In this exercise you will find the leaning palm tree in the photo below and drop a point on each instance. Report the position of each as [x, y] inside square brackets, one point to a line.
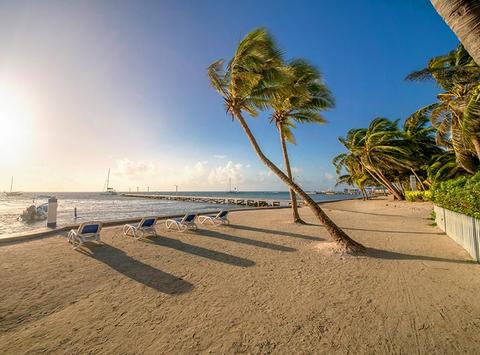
[300, 99]
[356, 174]
[246, 84]
[463, 17]
[420, 138]
[457, 112]
[381, 151]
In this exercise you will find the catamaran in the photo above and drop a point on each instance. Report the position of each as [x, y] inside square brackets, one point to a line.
[109, 191]
[11, 192]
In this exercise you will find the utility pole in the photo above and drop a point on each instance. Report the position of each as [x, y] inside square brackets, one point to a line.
[176, 188]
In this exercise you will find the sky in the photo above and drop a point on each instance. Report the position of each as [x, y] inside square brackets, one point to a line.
[90, 85]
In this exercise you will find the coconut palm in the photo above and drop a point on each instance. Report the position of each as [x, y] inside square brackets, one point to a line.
[457, 66]
[420, 138]
[442, 167]
[456, 114]
[302, 97]
[249, 80]
[356, 173]
[382, 152]
[463, 17]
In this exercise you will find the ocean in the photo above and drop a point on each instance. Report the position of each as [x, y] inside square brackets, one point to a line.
[94, 206]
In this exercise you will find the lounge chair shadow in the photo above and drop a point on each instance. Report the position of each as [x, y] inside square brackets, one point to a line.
[392, 255]
[214, 234]
[199, 251]
[145, 274]
[272, 231]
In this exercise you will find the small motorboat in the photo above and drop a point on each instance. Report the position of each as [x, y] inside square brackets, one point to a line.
[34, 212]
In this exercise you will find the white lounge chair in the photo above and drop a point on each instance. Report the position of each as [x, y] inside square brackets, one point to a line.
[218, 219]
[182, 224]
[146, 226]
[86, 232]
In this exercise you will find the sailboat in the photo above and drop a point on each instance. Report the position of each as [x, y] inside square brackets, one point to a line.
[235, 190]
[12, 193]
[109, 191]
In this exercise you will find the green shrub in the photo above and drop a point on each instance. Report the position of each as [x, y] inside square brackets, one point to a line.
[413, 196]
[461, 195]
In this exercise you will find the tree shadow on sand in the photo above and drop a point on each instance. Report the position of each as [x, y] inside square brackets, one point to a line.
[380, 230]
[392, 255]
[367, 213]
[277, 232]
[232, 238]
[390, 231]
[145, 274]
[199, 251]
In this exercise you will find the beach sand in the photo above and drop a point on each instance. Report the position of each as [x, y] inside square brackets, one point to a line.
[261, 285]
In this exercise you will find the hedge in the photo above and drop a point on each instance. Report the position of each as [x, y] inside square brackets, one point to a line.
[461, 195]
[413, 196]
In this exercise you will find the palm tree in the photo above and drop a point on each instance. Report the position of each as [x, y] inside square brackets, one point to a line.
[381, 150]
[299, 101]
[456, 114]
[420, 139]
[356, 174]
[463, 17]
[442, 167]
[246, 84]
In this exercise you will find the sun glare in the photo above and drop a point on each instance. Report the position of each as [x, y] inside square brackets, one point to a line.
[15, 124]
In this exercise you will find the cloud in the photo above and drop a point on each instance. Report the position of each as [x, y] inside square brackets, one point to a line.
[221, 174]
[329, 176]
[219, 156]
[134, 169]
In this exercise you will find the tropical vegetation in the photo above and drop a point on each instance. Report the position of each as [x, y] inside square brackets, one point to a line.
[300, 99]
[461, 195]
[251, 81]
[438, 142]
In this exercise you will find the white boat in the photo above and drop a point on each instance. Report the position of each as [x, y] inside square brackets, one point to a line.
[11, 192]
[109, 191]
[235, 190]
[34, 212]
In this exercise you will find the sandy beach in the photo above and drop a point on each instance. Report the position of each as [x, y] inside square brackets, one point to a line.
[261, 285]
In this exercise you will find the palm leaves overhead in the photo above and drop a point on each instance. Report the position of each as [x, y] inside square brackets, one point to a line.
[301, 97]
[251, 77]
[456, 114]
[455, 67]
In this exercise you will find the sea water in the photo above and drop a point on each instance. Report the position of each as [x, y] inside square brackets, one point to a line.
[94, 206]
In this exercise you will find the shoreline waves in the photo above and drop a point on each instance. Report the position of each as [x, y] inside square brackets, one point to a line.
[93, 206]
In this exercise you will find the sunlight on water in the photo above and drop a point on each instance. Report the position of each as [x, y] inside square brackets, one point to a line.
[93, 206]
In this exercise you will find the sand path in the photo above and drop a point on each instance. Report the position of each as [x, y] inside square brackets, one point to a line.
[262, 285]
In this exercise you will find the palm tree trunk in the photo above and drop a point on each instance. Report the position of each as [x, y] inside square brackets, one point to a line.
[420, 181]
[476, 144]
[364, 192]
[293, 196]
[383, 180]
[463, 17]
[364, 198]
[338, 235]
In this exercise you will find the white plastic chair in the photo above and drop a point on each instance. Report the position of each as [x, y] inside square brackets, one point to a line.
[86, 232]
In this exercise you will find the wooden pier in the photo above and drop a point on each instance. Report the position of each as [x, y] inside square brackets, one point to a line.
[251, 202]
